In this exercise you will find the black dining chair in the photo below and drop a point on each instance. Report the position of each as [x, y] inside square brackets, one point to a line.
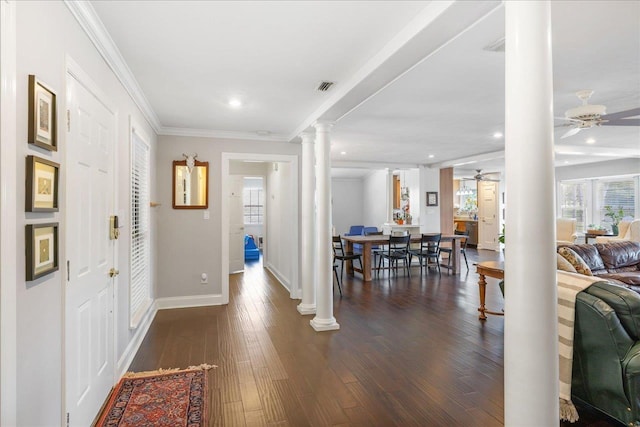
[429, 250]
[463, 248]
[339, 254]
[375, 250]
[397, 250]
[335, 272]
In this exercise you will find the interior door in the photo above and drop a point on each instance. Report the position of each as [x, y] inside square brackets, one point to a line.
[90, 254]
[236, 224]
[488, 218]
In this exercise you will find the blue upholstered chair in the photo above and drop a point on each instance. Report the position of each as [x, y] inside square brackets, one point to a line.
[355, 230]
[251, 251]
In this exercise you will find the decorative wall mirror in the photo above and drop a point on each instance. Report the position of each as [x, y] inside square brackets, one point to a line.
[190, 183]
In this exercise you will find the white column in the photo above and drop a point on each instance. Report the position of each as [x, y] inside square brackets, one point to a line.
[531, 323]
[308, 227]
[389, 196]
[324, 320]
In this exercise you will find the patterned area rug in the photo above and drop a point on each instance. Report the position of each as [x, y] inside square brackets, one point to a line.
[169, 397]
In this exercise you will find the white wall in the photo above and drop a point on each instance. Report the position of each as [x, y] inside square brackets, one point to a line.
[46, 34]
[429, 215]
[189, 245]
[346, 204]
[279, 257]
[374, 197]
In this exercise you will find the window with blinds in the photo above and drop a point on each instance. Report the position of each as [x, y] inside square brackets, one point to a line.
[140, 288]
[585, 199]
[253, 201]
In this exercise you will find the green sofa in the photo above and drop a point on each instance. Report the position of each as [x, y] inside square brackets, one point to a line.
[606, 360]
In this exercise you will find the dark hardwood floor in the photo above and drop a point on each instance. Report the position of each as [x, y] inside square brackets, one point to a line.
[410, 352]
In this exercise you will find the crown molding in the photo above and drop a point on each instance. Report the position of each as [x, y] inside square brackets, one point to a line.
[99, 36]
[224, 134]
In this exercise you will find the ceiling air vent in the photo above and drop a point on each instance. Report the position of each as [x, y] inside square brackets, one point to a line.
[324, 86]
[496, 46]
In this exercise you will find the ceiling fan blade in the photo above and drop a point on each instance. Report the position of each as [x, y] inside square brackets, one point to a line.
[621, 122]
[622, 114]
[568, 119]
[571, 132]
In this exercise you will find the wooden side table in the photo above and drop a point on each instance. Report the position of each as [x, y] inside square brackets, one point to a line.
[493, 269]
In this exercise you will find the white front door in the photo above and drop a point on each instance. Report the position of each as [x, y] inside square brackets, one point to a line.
[488, 215]
[236, 224]
[90, 254]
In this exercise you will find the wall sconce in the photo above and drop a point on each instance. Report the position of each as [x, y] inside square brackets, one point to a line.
[191, 161]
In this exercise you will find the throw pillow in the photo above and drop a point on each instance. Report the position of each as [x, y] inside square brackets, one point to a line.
[576, 261]
[564, 265]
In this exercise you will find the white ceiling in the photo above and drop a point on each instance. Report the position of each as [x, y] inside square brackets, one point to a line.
[412, 77]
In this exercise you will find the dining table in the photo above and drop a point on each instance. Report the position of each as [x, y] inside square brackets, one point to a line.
[368, 242]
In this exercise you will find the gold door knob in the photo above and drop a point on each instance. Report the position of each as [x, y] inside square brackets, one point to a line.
[113, 272]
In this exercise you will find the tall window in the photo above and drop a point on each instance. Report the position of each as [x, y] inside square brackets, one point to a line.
[253, 205]
[585, 199]
[573, 204]
[140, 288]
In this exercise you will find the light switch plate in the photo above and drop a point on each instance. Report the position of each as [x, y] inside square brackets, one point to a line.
[205, 214]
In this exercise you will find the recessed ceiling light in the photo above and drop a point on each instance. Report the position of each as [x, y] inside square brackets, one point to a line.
[431, 156]
[343, 152]
[566, 162]
[590, 141]
[497, 135]
[235, 103]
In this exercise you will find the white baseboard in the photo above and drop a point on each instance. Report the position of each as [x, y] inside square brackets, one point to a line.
[134, 344]
[281, 278]
[189, 301]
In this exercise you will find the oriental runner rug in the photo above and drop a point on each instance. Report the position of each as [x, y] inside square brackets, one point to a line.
[167, 397]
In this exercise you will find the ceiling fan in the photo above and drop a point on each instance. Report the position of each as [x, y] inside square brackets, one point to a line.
[479, 176]
[588, 115]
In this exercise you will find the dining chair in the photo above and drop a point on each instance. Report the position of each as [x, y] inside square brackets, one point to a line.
[335, 272]
[397, 250]
[339, 254]
[375, 250]
[463, 248]
[429, 249]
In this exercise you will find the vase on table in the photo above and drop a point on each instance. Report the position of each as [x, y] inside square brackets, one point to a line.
[614, 229]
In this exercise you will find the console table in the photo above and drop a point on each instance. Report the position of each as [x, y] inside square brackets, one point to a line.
[588, 236]
[493, 269]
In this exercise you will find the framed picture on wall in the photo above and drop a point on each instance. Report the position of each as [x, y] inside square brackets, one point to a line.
[432, 198]
[42, 185]
[42, 115]
[42, 249]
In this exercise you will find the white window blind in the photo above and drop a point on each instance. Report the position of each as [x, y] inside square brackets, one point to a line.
[585, 199]
[140, 288]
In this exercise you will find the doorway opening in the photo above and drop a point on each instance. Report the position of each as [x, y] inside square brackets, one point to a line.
[280, 240]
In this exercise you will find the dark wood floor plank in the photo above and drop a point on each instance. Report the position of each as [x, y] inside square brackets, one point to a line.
[410, 352]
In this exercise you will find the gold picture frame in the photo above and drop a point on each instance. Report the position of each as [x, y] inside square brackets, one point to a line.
[42, 185]
[42, 115]
[41, 250]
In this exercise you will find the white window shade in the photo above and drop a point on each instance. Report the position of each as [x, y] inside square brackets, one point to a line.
[140, 286]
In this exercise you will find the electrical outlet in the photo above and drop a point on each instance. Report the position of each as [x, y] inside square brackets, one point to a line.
[204, 279]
